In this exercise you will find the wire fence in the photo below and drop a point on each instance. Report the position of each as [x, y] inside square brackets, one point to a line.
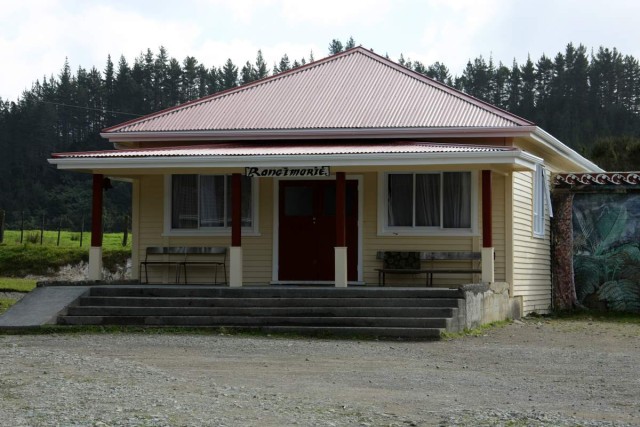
[43, 230]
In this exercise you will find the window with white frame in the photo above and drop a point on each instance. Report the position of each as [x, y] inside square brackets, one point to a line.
[428, 201]
[541, 197]
[203, 202]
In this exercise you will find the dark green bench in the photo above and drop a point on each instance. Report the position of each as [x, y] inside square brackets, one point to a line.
[181, 257]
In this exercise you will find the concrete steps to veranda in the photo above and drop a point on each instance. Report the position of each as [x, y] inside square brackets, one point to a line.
[382, 312]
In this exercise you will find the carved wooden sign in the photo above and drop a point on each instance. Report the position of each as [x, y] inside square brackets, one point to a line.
[306, 172]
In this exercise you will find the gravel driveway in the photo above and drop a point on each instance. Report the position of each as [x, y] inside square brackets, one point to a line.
[531, 373]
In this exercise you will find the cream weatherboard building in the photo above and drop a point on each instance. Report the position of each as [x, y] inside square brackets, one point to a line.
[308, 174]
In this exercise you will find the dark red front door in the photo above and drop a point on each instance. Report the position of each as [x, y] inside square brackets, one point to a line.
[307, 234]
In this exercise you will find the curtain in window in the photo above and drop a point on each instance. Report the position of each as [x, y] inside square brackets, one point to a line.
[400, 194]
[428, 200]
[456, 201]
[184, 207]
[212, 201]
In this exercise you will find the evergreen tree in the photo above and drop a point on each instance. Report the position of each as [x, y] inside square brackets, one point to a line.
[515, 88]
[543, 79]
[261, 70]
[283, 66]
[175, 92]
[439, 72]
[501, 87]
[528, 91]
[351, 43]
[247, 74]
[159, 80]
[335, 47]
[190, 79]
[228, 75]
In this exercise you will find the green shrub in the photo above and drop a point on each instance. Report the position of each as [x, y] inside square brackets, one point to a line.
[20, 260]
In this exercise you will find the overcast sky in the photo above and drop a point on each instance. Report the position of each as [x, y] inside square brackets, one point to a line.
[36, 36]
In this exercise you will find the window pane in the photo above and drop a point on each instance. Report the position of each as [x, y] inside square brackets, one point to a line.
[298, 201]
[245, 191]
[400, 194]
[456, 200]
[184, 203]
[211, 201]
[428, 200]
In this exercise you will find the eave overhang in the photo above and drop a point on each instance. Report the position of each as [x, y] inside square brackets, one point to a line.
[513, 160]
[549, 141]
[314, 134]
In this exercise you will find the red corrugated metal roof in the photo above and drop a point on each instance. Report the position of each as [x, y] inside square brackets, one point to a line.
[355, 89]
[246, 149]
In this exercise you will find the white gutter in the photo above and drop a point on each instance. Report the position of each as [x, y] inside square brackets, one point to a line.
[520, 158]
[305, 134]
[546, 139]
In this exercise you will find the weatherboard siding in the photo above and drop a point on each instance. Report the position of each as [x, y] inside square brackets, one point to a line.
[531, 255]
[257, 250]
[373, 242]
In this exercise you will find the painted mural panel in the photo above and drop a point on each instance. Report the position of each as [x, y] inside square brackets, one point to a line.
[606, 250]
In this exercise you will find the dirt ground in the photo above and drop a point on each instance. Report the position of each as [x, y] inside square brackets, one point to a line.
[532, 373]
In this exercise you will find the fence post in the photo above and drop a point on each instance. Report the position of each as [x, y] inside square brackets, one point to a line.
[1, 225]
[81, 230]
[59, 228]
[42, 230]
[21, 226]
[125, 235]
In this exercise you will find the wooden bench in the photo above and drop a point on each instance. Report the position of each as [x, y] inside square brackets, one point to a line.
[410, 262]
[162, 256]
[180, 257]
[215, 257]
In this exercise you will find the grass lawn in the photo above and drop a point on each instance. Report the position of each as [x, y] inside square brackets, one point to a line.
[5, 303]
[12, 284]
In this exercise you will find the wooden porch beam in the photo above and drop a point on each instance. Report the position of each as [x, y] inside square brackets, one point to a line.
[487, 214]
[341, 235]
[236, 210]
[96, 211]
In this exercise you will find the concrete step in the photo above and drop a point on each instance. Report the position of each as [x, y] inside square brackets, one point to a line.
[271, 292]
[385, 312]
[311, 321]
[257, 311]
[125, 301]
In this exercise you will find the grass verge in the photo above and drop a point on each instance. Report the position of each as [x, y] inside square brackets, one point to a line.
[597, 316]
[12, 284]
[475, 332]
[5, 303]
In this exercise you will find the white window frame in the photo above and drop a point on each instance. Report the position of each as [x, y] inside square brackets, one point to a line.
[541, 199]
[254, 230]
[385, 230]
